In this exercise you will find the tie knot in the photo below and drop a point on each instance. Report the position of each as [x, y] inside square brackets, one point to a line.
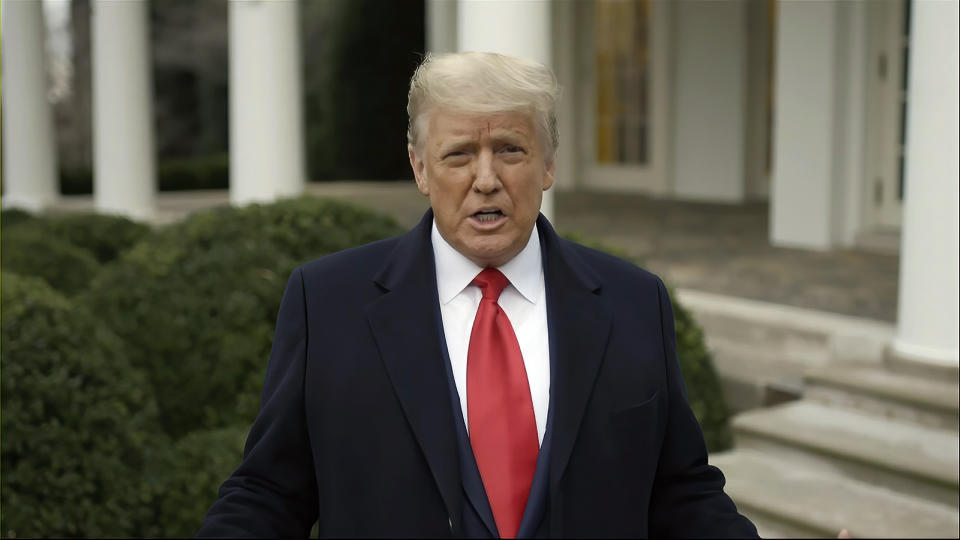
[492, 282]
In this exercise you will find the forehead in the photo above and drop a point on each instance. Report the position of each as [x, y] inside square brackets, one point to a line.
[445, 125]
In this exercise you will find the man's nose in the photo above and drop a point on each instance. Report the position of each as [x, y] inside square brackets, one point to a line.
[485, 179]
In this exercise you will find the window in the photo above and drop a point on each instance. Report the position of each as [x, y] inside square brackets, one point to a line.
[622, 56]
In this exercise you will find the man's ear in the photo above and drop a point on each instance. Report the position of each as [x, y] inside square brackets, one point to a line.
[551, 167]
[418, 167]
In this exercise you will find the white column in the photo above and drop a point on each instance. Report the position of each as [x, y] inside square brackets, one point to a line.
[266, 118]
[515, 27]
[850, 173]
[30, 157]
[441, 25]
[804, 144]
[819, 123]
[124, 162]
[928, 310]
[710, 100]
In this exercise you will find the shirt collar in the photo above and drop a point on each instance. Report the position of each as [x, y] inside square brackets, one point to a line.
[455, 271]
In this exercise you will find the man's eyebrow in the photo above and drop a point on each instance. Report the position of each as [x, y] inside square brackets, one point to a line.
[498, 135]
[512, 135]
[454, 142]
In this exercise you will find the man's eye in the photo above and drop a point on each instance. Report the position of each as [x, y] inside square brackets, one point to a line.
[512, 149]
[454, 154]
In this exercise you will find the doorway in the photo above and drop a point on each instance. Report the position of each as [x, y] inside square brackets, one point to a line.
[623, 94]
[888, 42]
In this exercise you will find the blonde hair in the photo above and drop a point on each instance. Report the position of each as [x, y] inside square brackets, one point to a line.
[481, 83]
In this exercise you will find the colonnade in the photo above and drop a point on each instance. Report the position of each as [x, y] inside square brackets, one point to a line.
[266, 124]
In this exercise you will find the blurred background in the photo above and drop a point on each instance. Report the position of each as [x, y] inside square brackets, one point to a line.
[789, 167]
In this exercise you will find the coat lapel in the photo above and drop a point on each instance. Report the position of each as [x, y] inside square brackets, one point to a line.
[579, 328]
[404, 325]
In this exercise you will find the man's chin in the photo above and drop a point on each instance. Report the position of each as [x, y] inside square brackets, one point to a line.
[488, 256]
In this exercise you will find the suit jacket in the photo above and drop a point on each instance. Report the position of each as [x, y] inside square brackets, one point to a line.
[361, 431]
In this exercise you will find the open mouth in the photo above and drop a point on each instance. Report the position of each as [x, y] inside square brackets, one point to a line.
[488, 216]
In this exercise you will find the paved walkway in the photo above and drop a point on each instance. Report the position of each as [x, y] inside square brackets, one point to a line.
[725, 249]
[717, 248]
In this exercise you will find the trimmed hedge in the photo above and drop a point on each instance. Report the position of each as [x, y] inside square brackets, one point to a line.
[104, 236]
[703, 384]
[197, 301]
[29, 251]
[13, 216]
[186, 476]
[178, 174]
[76, 420]
[65, 250]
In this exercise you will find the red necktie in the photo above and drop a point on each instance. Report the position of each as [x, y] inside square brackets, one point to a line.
[503, 429]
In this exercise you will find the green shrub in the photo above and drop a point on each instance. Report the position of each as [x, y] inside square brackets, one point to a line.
[350, 107]
[76, 181]
[703, 385]
[76, 419]
[185, 477]
[13, 216]
[31, 252]
[179, 174]
[201, 172]
[64, 250]
[104, 236]
[197, 301]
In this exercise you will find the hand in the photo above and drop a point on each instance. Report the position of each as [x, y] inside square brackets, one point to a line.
[844, 534]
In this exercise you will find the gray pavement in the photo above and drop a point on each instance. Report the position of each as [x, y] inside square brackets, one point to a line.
[725, 249]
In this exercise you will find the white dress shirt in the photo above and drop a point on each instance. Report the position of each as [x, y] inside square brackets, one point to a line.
[524, 302]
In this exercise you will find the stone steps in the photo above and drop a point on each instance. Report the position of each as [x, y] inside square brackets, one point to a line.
[747, 374]
[869, 442]
[921, 400]
[785, 499]
[903, 457]
[759, 346]
[788, 334]
[920, 368]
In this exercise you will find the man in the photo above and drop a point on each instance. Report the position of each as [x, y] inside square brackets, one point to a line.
[477, 376]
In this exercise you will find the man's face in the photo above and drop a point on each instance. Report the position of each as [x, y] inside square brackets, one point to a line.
[485, 176]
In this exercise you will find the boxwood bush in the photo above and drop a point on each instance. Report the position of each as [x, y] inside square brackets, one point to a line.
[211, 171]
[76, 420]
[65, 250]
[12, 216]
[104, 236]
[703, 384]
[186, 476]
[30, 252]
[197, 301]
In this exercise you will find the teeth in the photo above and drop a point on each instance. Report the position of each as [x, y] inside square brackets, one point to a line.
[488, 216]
